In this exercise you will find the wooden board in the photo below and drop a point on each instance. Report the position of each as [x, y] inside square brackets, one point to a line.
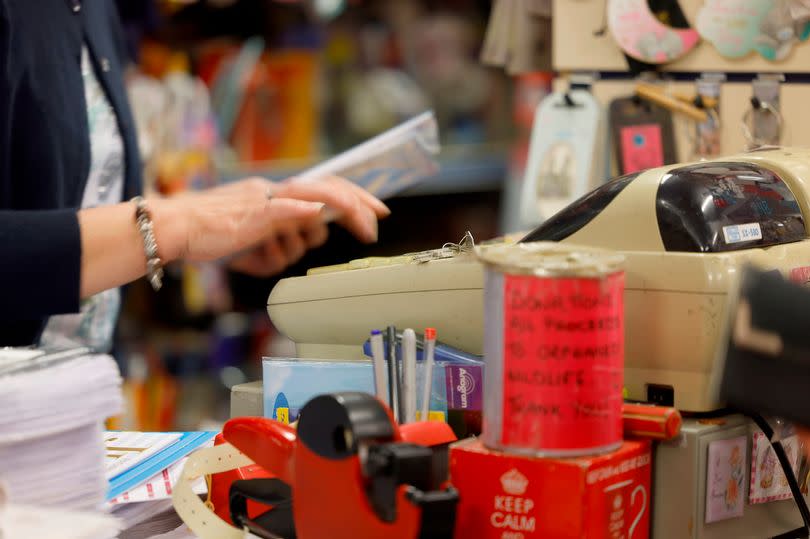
[576, 48]
[734, 100]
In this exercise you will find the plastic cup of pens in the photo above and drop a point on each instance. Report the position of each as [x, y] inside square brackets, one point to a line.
[430, 379]
[454, 393]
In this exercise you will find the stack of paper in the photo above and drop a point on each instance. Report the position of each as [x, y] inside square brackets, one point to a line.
[52, 406]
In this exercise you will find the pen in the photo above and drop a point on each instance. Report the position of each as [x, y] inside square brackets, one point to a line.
[653, 422]
[408, 376]
[430, 346]
[393, 376]
[378, 363]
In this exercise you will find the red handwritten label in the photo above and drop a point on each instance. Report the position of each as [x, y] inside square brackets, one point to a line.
[563, 359]
[641, 147]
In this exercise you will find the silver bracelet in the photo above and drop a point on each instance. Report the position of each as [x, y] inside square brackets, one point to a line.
[143, 217]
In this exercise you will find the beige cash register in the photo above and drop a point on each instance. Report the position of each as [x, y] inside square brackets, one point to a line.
[685, 231]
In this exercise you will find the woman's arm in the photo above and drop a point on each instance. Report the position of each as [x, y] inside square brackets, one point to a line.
[262, 235]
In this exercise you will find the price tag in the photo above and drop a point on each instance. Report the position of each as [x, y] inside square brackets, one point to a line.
[641, 147]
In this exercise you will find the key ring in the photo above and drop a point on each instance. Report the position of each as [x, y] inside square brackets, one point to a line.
[695, 140]
[757, 104]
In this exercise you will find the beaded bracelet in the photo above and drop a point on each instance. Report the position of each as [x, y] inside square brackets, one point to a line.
[143, 218]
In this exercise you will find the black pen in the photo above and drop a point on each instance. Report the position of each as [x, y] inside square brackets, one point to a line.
[393, 372]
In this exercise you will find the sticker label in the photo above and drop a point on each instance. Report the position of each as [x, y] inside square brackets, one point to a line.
[768, 481]
[464, 386]
[641, 147]
[563, 359]
[433, 415]
[724, 481]
[740, 233]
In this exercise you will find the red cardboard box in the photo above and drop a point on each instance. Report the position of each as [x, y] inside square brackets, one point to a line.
[506, 496]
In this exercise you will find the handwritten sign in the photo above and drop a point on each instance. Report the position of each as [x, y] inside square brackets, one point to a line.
[563, 359]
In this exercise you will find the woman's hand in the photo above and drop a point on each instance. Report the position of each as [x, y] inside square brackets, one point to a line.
[264, 227]
[257, 234]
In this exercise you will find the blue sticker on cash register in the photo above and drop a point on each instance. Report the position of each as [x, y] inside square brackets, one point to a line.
[744, 232]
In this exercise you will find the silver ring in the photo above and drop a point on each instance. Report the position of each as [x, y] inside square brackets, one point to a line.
[749, 136]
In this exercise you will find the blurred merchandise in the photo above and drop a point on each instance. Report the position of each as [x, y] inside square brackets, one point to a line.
[530, 90]
[279, 118]
[225, 90]
[518, 36]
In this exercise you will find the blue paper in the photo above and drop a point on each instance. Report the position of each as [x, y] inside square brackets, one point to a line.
[142, 472]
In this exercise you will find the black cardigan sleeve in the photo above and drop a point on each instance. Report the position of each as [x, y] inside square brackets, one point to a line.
[40, 263]
[40, 250]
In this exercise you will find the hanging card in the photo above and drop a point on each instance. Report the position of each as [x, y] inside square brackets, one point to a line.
[565, 157]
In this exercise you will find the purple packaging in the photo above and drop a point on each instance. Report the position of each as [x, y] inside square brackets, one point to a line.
[464, 384]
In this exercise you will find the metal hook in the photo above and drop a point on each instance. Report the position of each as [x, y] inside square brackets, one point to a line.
[448, 250]
[764, 106]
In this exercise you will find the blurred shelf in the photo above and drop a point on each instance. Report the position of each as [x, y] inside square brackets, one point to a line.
[462, 169]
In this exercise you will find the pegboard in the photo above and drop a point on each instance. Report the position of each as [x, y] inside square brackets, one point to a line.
[734, 101]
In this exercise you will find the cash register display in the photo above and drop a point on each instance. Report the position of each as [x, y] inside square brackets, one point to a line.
[715, 207]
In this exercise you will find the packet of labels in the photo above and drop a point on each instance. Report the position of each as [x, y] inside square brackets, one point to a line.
[389, 163]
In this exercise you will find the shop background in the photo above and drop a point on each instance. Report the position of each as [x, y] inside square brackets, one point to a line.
[226, 89]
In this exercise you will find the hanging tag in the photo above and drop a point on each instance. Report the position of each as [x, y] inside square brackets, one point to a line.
[564, 162]
[762, 123]
[642, 135]
[708, 133]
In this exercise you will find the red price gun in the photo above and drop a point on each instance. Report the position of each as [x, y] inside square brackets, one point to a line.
[347, 471]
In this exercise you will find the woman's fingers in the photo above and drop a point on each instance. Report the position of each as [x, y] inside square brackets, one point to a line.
[356, 209]
[265, 260]
[293, 245]
[377, 205]
[315, 234]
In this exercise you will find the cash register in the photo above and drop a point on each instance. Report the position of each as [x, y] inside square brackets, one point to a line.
[684, 229]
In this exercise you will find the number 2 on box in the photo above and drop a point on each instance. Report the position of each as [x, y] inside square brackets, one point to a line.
[638, 490]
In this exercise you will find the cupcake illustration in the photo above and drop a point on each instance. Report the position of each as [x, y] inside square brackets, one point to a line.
[767, 469]
[732, 493]
[735, 461]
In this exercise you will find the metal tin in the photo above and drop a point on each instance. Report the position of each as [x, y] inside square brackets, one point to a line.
[554, 349]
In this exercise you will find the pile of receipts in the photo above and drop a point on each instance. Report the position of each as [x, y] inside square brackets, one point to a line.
[55, 466]
[52, 410]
